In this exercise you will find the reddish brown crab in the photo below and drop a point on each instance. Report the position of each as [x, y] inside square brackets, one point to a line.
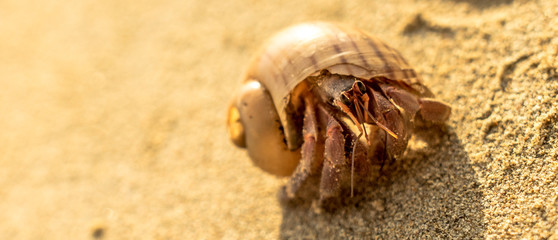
[312, 94]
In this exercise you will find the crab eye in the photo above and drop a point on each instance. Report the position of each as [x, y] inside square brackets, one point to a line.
[361, 86]
[345, 100]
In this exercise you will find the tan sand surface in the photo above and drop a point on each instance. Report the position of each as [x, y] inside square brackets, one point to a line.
[113, 121]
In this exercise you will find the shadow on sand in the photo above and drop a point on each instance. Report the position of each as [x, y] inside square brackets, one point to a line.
[484, 3]
[430, 192]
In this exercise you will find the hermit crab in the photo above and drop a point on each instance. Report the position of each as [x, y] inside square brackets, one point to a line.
[330, 101]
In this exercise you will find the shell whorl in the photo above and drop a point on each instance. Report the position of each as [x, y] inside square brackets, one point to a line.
[304, 50]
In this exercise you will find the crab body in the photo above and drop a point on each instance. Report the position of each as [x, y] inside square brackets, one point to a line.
[311, 94]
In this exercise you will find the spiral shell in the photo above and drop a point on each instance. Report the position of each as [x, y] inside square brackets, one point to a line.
[306, 49]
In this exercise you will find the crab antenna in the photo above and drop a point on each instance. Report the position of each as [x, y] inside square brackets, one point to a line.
[346, 110]
[360, 118]
[378, 123]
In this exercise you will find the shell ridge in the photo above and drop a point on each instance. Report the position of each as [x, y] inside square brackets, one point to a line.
[304, 50]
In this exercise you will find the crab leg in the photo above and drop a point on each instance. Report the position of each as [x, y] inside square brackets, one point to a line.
[397, 121]
[334, 165]
[310, 160]
[434, 110]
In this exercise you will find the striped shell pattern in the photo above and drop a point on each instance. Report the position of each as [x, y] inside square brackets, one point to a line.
[306, 49]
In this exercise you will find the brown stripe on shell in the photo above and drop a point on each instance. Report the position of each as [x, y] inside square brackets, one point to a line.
[390, 55]
[332, 37]
[340, 31]
[292, 67]
[364, 62]
[371, 43]
[313, 59]
[405, 74]
[401, 56]
[388, 49]
[355, 46]
[338, 50]
[342, 58]
[306, 49]
[399, 59]
[279, 73]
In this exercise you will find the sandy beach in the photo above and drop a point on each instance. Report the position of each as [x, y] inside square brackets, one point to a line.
[113, 118]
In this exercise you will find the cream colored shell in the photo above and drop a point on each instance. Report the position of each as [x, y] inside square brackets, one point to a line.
[305, 49]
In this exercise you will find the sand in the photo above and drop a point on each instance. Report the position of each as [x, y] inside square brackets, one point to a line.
[113, 122]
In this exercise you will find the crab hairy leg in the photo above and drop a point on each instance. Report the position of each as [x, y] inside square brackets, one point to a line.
[402, 99]
[377, 147]
[353, 162]
[311, 153]
[434, 110]
[394, 119]
[334, 165]
[360, 120]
